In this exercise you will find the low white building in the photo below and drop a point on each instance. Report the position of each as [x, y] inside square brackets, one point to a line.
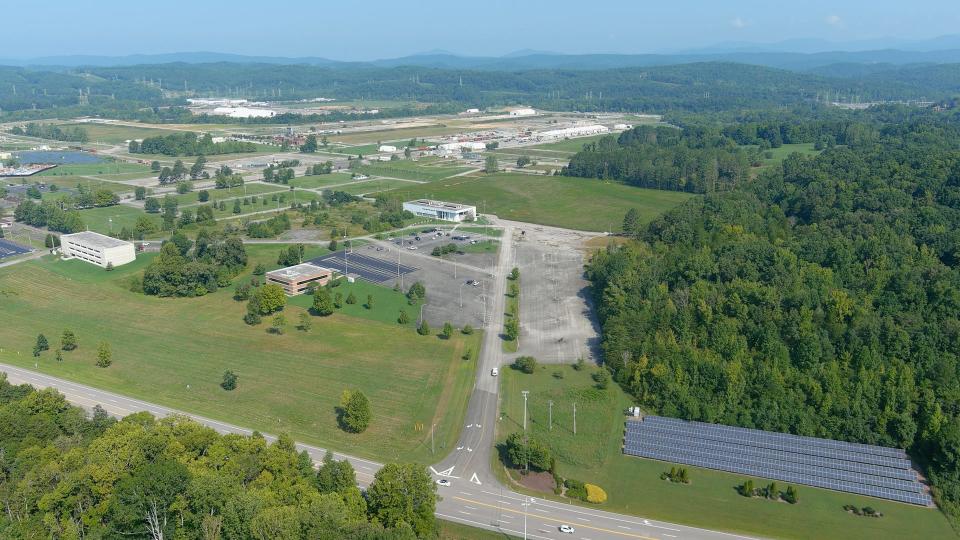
[523, 111]
[574, 131]
[243, 112]
[466, 146]
[623, 126]
[387, 148]
[445, 211]
[96, 248]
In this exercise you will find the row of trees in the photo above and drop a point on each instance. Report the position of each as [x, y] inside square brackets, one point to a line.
[187, 268]
[188, 144]
[51, 131]
[141, 477]
[49, 214]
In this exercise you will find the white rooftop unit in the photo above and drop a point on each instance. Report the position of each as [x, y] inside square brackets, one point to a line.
[387, 148]
[523, 111]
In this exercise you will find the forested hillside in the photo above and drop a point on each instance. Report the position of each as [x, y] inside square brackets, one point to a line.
[66, 476]
[822, 298]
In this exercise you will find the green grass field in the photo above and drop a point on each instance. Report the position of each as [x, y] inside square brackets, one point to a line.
[289, 382]
[72, 181]
[710, 500]
[455, 531]
[409, 170]
[375, 186]
[105, 167]
[111, 133]
[320, 181]
[575, 203]
[98, 219]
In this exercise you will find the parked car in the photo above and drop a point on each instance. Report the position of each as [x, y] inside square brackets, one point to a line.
[494, 372]
[443, 482]
[411, 248]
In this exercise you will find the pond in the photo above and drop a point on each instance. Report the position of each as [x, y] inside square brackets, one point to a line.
[60, 158]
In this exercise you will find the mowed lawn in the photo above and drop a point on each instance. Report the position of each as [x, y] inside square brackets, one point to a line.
[113, 218]
[114, 133]
[710, 501]
[175, 351]
[575, 203]
[408, 170]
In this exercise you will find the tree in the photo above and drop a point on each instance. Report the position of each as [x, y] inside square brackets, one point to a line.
[514, 274]
[424, 328]
[236, 206]
[447, 331]
[104, 355]
[416, 292]
[278, 324]
[338, 300]
[271, 298]
[59, 355]
[203, 195]
[403, 318]
[512, 329]
[523, 451]
[466, 330]
[310, 145]
[151, 205]
[145, 500]
[404, 493]
[746, 489]
[229, 380]
[178, 171]
[322, 304]
[523, 161]
[155, 166]
[791, 495]
[41, 345]
[631, 222]
[369, 301]
[259, 269]
[196, 171]
[139, 193]
[354, 411]
[335, 476]
[602, 378]
[332, 246]
[143, 227]
[526, 364]
[490, 165]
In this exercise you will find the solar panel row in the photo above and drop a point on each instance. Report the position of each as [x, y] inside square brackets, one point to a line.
[806, 460]
[855, 468]
[815, 442]
[671, 456]
[696, 431]
[776, 467]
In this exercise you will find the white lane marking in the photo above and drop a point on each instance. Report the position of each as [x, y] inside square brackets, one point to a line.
[475, 480]
[622, 527]
[462, 512]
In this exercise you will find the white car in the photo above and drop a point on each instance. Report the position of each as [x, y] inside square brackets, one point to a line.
[411, 248]
[494, 372]
[567, 529]
[443, 482]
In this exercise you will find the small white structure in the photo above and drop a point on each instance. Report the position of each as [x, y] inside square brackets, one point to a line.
[523, 111]
[471, 111]
[623, 126]
[444, 211]
[387, 148]
[96, 248]
[243, 112]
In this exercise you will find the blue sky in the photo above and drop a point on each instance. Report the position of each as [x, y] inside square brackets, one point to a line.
[368, 29]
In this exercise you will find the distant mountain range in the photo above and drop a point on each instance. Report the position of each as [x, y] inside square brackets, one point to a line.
[796, 55]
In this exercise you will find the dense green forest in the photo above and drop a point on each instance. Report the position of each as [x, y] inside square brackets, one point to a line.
[69, 476]
[145, 92]
[188, 144]
[821, 298]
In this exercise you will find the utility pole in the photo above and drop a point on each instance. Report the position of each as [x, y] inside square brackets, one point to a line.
[574, 418]
[433, 427]
[550, 413]
[525, 394]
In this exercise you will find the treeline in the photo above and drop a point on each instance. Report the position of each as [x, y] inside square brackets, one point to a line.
[65, 474]
[49, 214]
[666, 158]
[188, 144]
[820, 299]
[187, 268]
[49, 131]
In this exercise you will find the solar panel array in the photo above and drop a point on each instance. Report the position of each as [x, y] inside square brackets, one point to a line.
[863, 469]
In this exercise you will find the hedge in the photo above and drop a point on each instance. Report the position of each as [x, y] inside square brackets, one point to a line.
[595, 494]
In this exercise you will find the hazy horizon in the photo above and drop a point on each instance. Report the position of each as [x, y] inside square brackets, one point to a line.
[389, 30]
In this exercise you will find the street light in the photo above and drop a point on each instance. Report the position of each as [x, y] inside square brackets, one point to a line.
[525, 505]
[461, 296]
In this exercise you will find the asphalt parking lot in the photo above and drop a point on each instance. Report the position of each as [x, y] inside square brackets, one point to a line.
[9, 249]
[375, 270]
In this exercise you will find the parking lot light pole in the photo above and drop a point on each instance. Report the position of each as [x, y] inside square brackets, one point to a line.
[461, 296]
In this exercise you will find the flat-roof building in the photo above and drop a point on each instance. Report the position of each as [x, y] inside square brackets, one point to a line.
[96, 248]
[445, 211]
[296, 279]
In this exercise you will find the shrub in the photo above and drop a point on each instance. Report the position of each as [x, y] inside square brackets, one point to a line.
[791, 495]
[575, 489]
[467, 330]
[229, 380]
[526, 364]
[595, 494]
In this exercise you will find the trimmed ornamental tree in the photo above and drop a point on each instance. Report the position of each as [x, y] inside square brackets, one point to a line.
[322, 303]
[68, 341]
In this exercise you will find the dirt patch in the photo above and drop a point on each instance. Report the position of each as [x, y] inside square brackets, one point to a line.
[537, 481]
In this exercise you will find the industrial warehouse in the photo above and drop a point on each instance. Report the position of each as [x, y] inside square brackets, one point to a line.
[96, 248]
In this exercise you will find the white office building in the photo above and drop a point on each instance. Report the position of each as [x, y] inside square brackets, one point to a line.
[445, 211]
[97, 249]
